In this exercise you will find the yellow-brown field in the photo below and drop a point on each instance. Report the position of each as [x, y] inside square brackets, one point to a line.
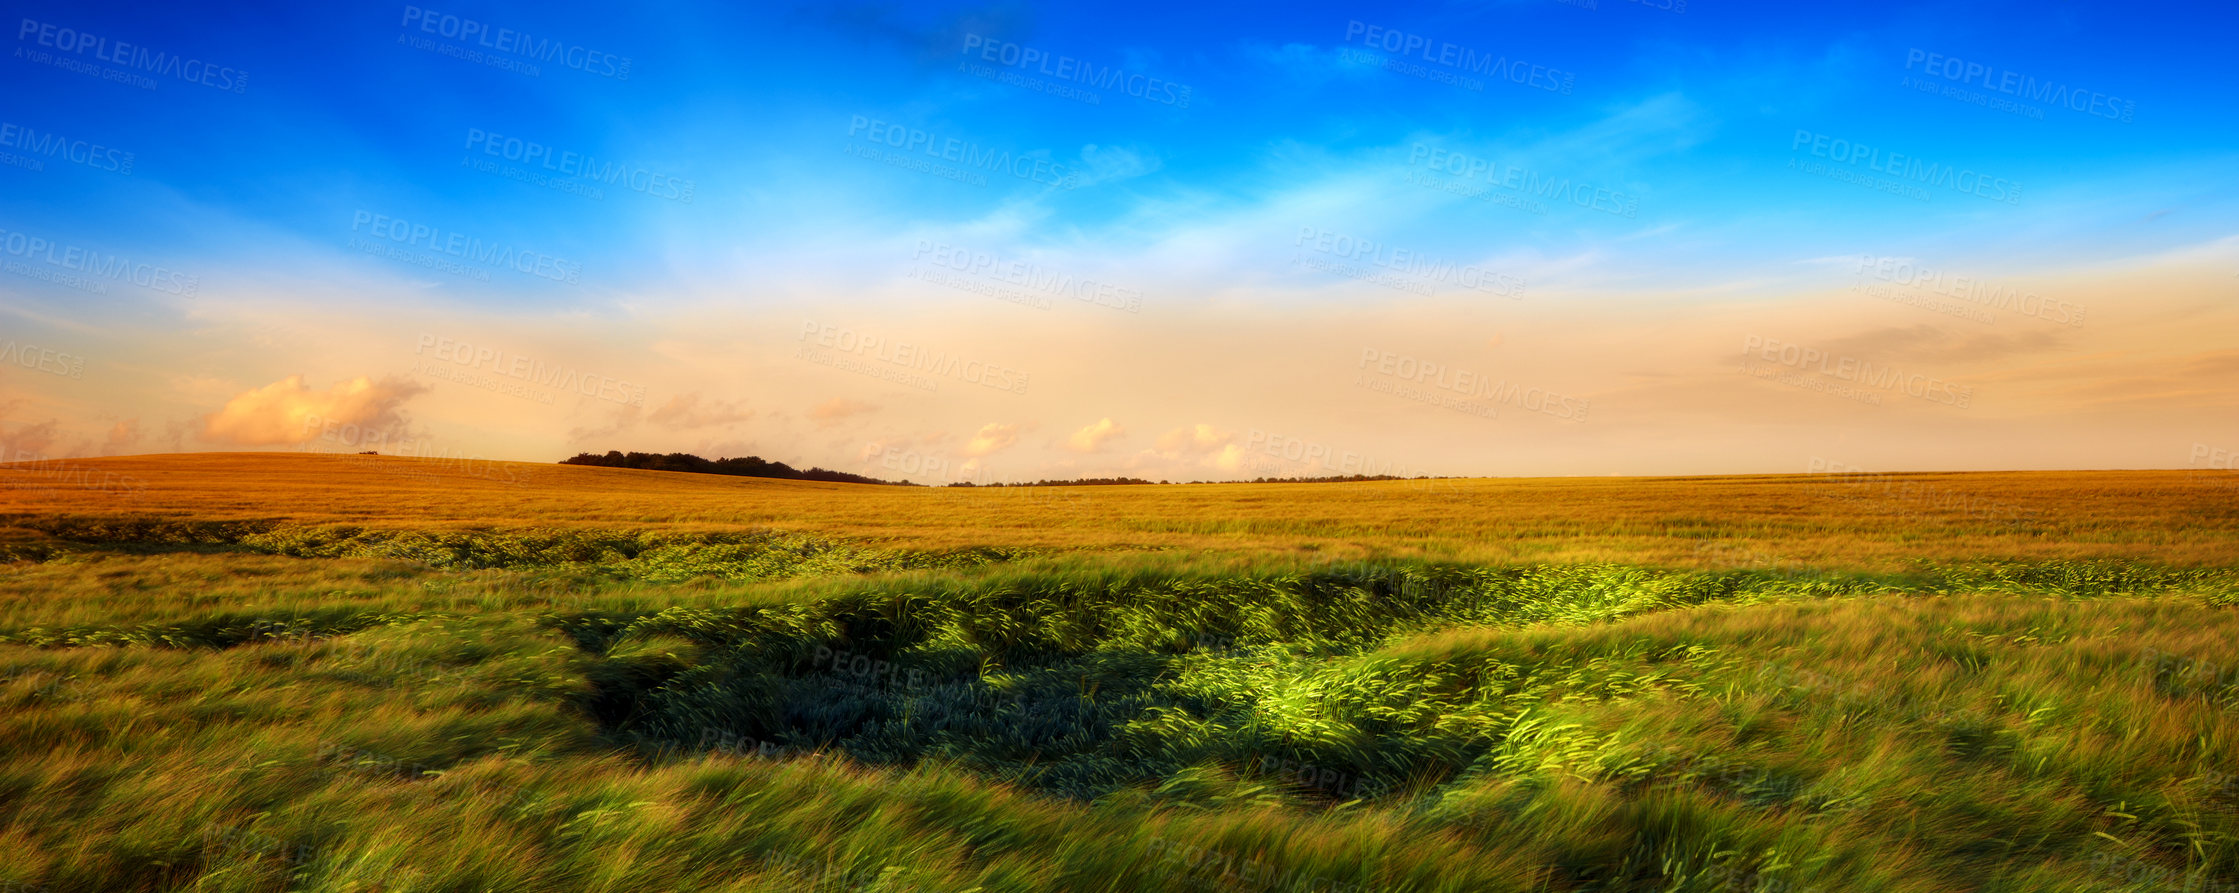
[1869, 522]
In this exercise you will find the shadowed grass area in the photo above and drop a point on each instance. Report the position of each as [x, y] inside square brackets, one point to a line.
[1084, 686]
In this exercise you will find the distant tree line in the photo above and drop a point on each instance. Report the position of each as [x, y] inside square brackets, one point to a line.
[745, 466]
[1343, 479]
[1082, 482]
[758, 467]
[1334, 479]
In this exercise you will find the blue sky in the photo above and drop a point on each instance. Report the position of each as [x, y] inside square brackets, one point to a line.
[1296, 131]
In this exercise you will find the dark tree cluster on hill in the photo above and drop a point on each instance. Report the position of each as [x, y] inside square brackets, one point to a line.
[745, 466]
[1082, 482]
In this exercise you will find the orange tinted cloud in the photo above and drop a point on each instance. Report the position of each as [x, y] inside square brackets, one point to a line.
[991, 437]
[289, 411]
[1200, 436]
[689, 411]
[830, 412]
[1092, 437]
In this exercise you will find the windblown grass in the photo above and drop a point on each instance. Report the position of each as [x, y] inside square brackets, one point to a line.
[276, 698]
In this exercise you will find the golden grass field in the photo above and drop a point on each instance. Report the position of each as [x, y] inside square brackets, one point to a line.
[266, 672]
[1878, 521]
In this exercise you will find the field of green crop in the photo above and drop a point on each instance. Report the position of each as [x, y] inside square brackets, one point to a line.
[322, 673]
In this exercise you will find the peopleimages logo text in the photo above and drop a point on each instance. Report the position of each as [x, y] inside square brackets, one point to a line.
[32, 356]
[518, 43]
[577, 164]
[52, 145]
[2013, 83]
[915, 357]
[1903, 271]
[1906, 167]
[484, 358]
[1474, 385]
[97, 264]
[1405, 262]
[1460, 58]
[1080, 71]
[971, 155]
[1858, 371]
[1525, 181]
[465, 247]
[117, 52]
